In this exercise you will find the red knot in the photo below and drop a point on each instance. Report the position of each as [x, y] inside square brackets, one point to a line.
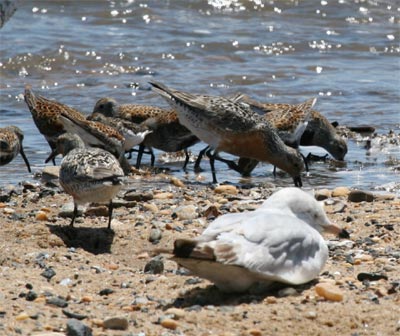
[89, 175]
[167, 135]
[232, 127]
[11, 138]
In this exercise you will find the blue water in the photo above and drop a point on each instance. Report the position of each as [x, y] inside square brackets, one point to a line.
[346, 53]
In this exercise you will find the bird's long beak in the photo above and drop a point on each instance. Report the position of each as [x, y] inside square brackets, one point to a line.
[336, 230]
[21, 151]
[52, 155]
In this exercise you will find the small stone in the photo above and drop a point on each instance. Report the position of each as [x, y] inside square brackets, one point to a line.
[177, 182]
[154, 266]
[329, 292]
[169, 323]
[385, 197]
[254, 332]
[311, 315]
[288, 291]
[271, 299]
[86, 299]
[360, 196]
[42, 216]
[8, 211]
[31, 296]
[106, 291]
[116, 323]
[186, 212]
[48, 273]
[67, 210]
[22, 316]
[226, 189]
[340, 191]
[164, 195]
[98, 211]
[322, 194]
[50, 173]
[138, 196]
[77, 328]
[371, 276]
[155, 235]
[72, 315]
[176, 313]
[57, 301]
[150, 207]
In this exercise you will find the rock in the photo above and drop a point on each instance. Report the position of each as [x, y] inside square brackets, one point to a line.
[138, 196]
[48, 273]
[177, 182]
[106, 291]
[22, 316]
[254, 332]
[311, 315]
[371, 276]
[169, 323]
[116, 323]
[288, 291]
[31, 296]
[340, 192]
[155, 235]
[176, 313]
[77, 328]
[186, 212]
[150, 207]
[97, 211]
[164, 195]
[154, 266]
[360, 196]
[226, 189]
[385, 197]
[57, 301]
[42, 216]
[50, 173]
[329, 292]
[67, 210]
[322, 194]
[72, 315]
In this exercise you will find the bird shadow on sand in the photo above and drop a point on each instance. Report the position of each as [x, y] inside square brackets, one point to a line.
[211, 295]
[93, 240]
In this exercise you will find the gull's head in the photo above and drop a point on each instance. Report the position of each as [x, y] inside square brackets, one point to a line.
[304, 206]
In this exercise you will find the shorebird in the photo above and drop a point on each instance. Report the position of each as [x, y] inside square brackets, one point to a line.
[278, 243]
[233, 128]
[99, 135]
[167, 135]
[318, 132]
[134, 134]
[290, 121]
[11, 138]
[89, 175]
[46, 115]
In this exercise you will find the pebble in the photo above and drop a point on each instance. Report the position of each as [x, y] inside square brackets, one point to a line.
[226, 189]
[77, 328]
[97, 211]
[150, 207]
[138, 196]
[31, 296]
[116, 323]
[288, 291]
[22, 316]
[340, 191]
[164, 195]
[177, 182]
[329, 292]
[311, 315]
[254, 332]
[106, 291]
[72, 315]
[57, 301]
[67, 210]
[8, 211]
[360, 196]
[42, 216]
[322, 194]
[186, 212]
[86, 298]
[371, 276]
[176, 313]
[169, 323]
[154, 266]
[270, 300]
[50, 173]
[155, 235]
[48, 273]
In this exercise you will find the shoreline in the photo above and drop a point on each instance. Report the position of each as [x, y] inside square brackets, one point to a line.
[52, 273]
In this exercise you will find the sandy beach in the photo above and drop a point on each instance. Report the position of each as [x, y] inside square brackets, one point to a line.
[58, 280]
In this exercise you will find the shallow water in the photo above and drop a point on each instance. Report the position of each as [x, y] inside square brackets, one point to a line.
[346, 53]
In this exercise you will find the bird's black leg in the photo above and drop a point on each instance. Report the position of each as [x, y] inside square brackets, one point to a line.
[187, 157]
[211, 156]
[74, 214]
[25, 159]
[139, 156]
[110, 210]
[305, 161]
[199, 157]
[153, 157]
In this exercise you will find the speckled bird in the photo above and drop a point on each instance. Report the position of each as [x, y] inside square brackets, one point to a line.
[11, 138]
[89, 175]
[167, 134]
[46, 115]
[233, 128]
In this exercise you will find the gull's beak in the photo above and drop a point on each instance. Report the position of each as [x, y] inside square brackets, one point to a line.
[336, 230]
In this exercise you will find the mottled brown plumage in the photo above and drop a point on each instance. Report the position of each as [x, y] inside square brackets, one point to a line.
[11, 138]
